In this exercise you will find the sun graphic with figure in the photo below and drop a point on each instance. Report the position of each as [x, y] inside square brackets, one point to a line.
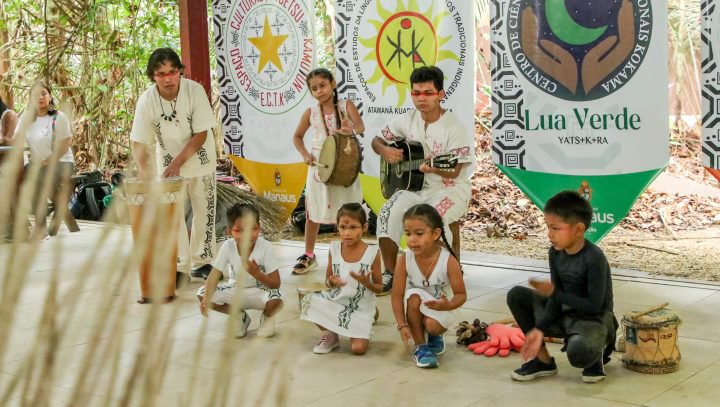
[406, 39]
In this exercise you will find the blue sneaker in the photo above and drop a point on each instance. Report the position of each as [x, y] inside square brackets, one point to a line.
[436, 344]
[424, 357]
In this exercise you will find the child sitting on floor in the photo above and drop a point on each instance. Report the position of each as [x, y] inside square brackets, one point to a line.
[347, 307]
[422, 275]
[258, 276]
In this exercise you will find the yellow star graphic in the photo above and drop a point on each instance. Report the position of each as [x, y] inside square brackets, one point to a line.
[268, 46]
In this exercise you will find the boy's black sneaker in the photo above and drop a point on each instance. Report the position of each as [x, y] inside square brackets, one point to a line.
[202, 271]
[594, 373]
[534, 369]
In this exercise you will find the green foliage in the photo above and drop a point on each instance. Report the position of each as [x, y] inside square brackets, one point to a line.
[94, 54]
[325, 42]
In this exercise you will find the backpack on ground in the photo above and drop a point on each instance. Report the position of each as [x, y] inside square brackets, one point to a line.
[86, 201]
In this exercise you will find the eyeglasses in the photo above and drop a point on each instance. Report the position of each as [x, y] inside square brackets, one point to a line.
[428, 93]
[166, 74]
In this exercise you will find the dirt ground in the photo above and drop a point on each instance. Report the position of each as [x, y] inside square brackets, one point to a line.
[686, 254]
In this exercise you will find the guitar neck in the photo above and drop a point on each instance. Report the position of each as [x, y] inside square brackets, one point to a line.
[412, 165]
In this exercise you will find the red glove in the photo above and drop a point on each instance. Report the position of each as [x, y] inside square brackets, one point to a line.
[503, 338]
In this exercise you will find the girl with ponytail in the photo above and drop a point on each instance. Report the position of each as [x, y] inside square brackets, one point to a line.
[422, 276]
[331, 115]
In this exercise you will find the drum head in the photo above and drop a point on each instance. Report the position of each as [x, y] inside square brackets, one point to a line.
[311, 287]
[661, 317]
[327, 159]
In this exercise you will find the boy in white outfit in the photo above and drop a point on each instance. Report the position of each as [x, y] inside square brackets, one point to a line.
[258, 277]
[440, 132]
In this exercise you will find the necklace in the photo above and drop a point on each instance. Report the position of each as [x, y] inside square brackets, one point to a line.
[426, 281]
[168, 117]
[324, 121]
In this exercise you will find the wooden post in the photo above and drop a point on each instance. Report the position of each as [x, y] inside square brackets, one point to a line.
[194, 46]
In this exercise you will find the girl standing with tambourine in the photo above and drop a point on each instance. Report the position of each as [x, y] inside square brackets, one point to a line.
[322, 200]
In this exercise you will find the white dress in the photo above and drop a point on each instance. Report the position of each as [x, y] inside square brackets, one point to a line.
[321, 200]
[348, 310]
[438, 281]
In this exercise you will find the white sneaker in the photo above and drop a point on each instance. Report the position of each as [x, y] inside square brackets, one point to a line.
[328, 342]
[243, 324]
[267, 326]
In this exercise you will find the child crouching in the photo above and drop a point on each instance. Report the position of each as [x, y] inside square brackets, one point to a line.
[258, 278]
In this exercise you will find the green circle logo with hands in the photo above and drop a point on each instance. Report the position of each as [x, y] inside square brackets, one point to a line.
[579, 50]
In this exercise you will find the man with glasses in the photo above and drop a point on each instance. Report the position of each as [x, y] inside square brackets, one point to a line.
[175, 115]
[440, 132]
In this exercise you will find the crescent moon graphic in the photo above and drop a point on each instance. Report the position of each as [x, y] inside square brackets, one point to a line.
[565, 28]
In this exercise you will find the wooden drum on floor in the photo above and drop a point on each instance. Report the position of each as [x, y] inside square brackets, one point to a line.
[651, 342]
[152, 206]
[306, 288]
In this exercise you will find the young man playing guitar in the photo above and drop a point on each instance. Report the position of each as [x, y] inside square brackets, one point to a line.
[440, 132]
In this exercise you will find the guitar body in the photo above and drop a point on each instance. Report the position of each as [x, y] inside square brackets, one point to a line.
[394, 177]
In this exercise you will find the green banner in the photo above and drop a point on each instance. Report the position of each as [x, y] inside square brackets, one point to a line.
[580, 100]
[605, 193]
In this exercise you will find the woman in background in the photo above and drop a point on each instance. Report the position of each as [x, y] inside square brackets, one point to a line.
[47, 132]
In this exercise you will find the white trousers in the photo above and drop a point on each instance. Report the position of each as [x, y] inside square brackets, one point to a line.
[451, 203]
[198, 249]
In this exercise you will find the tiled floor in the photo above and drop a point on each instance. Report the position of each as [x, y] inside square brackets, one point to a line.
[283, 369]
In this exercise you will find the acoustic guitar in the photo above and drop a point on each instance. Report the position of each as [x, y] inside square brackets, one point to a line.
[406, 174]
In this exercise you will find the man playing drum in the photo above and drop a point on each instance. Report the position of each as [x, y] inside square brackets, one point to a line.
[440, 132]
[175, 115]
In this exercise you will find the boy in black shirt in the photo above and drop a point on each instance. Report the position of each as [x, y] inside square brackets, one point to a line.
[576, 303]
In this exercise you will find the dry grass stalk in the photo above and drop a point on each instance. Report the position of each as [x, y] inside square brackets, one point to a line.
[272, 216]
[149, 366]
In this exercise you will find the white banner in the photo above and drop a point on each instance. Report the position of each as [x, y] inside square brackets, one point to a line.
[580, 88]
[265, 49]
[711, 83]
[380, 42]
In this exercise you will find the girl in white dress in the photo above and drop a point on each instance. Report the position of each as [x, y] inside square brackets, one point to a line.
[347, 306]
[322, 201]
[419, 294]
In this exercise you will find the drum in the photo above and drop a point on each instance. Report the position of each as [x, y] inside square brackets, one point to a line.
[304, 289]
[152, 207]
[339, 161]
[651, 341]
